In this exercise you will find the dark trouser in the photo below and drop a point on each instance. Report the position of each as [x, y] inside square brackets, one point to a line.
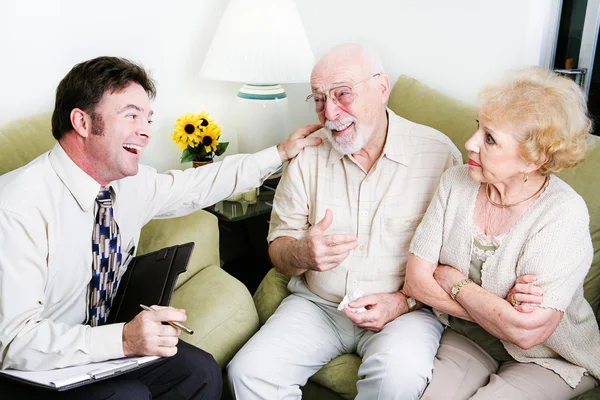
[190, 374]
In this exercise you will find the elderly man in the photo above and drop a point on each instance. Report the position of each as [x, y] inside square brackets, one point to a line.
[56, 283]
[342, 221]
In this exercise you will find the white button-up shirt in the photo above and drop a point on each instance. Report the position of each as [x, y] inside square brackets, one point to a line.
[46, 222]
[382, 208]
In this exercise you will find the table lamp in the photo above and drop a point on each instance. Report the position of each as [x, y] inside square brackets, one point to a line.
[261, 43]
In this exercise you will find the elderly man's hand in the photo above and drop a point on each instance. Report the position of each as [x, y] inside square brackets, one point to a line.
[298, 140]
[381, 309]
[323, 252]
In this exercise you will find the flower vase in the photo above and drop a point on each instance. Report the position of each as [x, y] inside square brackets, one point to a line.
[197, 164]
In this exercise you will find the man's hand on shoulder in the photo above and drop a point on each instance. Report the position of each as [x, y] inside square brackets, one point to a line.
[145, 335]
[324, 252]
[298, 140]
[382, 308]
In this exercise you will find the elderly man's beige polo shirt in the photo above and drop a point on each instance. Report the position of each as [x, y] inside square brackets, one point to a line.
[382, 207]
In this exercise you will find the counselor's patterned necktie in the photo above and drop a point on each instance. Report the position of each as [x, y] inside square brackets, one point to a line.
[106, 259]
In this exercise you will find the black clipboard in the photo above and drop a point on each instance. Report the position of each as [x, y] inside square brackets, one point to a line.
[150, 279]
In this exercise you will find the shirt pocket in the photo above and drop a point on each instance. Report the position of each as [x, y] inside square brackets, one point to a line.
[398, 232]
[400, 225]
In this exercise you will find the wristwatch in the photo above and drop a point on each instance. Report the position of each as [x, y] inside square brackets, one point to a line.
[456, 288]
[410, 302]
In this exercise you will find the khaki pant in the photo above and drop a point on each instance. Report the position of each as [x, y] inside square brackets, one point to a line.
[463, 370]
[306, 332]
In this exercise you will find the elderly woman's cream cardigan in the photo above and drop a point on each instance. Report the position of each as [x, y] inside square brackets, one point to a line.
[551, 240]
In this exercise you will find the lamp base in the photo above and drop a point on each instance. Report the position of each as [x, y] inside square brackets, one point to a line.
[261, 117]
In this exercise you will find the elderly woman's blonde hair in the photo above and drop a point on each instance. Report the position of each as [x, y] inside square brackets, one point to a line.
[546, 112]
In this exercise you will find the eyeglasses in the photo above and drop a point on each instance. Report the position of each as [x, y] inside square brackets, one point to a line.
[341, 95]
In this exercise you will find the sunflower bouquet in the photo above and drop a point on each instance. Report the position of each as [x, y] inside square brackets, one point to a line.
[198, 136]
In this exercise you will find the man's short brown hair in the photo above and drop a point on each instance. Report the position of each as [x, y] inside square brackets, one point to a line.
[84, 86]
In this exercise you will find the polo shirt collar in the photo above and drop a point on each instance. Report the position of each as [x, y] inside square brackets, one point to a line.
[82, 186]
[334, 156]
[398, 139]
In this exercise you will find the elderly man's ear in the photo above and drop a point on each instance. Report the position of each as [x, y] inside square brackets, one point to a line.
[384, 86]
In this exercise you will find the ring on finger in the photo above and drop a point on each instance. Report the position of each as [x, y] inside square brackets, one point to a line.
[513, 301]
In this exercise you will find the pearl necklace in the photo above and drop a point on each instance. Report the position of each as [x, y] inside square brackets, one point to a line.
[492, 202]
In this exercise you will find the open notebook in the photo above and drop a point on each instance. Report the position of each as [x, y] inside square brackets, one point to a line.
[70, 377]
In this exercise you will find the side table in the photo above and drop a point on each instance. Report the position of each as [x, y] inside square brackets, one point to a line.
[243, 229]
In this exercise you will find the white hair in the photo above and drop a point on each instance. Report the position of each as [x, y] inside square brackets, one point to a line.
[372, 57]
[363, 52]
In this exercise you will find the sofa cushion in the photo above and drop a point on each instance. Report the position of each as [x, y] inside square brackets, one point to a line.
[593, 394]
[340, 375]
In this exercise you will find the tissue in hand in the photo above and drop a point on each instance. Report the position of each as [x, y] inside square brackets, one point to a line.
[349, 298]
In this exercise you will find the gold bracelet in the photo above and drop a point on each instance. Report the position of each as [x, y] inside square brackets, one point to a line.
[456, 288]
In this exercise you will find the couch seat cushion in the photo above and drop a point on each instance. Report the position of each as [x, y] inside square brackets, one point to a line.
[223, 317]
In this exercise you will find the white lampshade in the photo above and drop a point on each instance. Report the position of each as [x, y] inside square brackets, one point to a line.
[259, 42]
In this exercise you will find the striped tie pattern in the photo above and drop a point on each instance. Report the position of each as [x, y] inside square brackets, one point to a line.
[106, 259]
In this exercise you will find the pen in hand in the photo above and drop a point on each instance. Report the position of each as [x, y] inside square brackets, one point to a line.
[174, 324]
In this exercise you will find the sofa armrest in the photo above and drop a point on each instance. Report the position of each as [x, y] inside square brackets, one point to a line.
[200, 227]
[219, 310]
[270, 293]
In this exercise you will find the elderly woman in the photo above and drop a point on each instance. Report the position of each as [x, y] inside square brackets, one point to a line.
[503, 250]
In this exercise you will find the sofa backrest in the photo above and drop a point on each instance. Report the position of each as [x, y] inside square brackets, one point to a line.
[23, 140]
[421, 104]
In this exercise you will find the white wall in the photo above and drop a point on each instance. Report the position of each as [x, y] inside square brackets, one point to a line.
[455, 46]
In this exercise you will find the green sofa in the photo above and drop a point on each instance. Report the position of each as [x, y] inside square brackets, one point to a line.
[219, 307]
[419, 103]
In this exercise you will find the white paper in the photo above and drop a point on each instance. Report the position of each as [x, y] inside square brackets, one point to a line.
[128, 255]
[67, 376]
[349, 298]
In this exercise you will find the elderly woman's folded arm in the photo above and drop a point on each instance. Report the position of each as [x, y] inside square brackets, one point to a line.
[474, 303]
[420, 284]
[497, 316]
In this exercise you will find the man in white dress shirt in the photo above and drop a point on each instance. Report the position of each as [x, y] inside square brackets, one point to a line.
[102, 122]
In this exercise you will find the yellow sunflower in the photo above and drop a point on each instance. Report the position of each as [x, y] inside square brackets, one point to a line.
[210, 137]
[186, 132]
[204, 121]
